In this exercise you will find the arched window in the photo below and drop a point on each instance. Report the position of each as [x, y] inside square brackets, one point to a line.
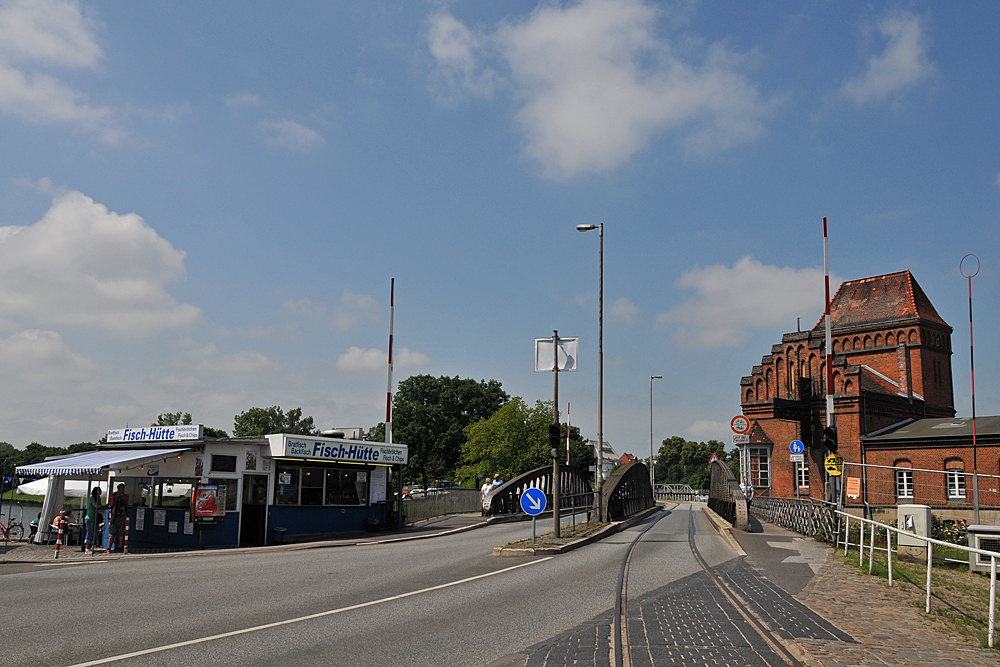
[913, 337]
[749, 396]
[904, 479]
[760, 389]
[768, 383]
[838, 385]
[848, 387]
[868, 342]
[890, 340]
[777, 377]
[857, 342]
[878, 340]
[836, 346]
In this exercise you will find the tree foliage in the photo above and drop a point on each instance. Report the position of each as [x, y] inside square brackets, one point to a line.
[514, 440]
[36, 453]
[184, 419]
[681, 461]
[262, 421]
[430, 415]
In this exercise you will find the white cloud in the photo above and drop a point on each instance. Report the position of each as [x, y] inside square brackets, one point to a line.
[84, 265]
[902, 64]
[625, 311]
[304, 307]
[705, 429]
[355, 308]
[372, 359]
[207, 358]
[42, 358]
[242, 101]
[289, 135]
[598, 83]
[49, 33]
[730, 301]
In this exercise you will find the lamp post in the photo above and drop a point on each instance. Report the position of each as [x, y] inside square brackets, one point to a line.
[652, 477]
[600, 371]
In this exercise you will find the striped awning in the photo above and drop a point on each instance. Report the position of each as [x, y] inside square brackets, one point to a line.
[92, 463]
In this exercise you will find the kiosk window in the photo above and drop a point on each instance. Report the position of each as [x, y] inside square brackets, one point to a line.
[231, 497]
[173, 492]
[312, 486]
[286, 491]
[221, 463]
[344, 488]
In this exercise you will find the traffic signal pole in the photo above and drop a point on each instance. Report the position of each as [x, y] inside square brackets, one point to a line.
[831, 481]
[555, 422]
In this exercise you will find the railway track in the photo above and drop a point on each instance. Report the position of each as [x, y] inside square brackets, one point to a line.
[621, 653]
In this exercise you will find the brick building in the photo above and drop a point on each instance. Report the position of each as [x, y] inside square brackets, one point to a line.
[891, 364]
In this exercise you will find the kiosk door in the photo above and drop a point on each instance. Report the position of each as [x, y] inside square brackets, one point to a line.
[253, 514]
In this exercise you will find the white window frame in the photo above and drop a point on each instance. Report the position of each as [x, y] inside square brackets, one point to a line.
[763, 480]
[956, 483]
[904, 483]
[802, 475]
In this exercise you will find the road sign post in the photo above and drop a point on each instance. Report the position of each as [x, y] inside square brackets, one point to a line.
[533, 504]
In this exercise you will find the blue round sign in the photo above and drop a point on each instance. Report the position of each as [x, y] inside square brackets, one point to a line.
[533, 501]
[797, 447]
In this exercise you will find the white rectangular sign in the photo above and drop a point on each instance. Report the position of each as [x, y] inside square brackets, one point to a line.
[741, 438]
[568, 350]
[156, 433]
[797, 458]
[336, 449]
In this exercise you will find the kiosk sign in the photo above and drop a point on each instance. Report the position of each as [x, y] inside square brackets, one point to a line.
[337, 449]
[156, 433]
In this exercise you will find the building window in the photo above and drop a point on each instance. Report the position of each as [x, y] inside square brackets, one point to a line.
[321, 486]
[760, 467]
[231, 497]
[904, 484]
[222, 463]
[956, 482]
[802, 475]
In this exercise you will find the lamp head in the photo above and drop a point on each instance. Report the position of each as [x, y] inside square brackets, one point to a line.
[585, 228]
[655, 377]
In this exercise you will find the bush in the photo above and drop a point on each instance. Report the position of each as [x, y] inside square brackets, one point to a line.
[946, 530]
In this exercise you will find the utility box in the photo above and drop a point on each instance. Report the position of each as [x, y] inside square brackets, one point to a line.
[916, 520]
[988, 539]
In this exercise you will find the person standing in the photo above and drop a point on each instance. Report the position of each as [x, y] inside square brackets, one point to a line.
[90, 520]
[118, 504]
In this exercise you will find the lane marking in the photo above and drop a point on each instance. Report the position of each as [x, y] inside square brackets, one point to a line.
[65, 563]
[234, 633]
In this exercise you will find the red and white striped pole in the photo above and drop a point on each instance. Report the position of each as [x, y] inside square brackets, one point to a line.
[829, 344]
[388, 392]
[125, 546]
[59, 537]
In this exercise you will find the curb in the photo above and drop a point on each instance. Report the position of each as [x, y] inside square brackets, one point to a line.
[610, 529]
[724, 530]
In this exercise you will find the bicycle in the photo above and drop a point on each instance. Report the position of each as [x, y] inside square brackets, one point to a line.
[14, 530]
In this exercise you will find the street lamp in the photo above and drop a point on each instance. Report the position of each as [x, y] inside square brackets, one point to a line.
[652, 477]
[600, 372]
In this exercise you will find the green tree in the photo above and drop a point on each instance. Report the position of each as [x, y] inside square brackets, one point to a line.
[262, 421]
[376, 433]
[514, 440]
[184, 419]
[681, 461]
[430, 416]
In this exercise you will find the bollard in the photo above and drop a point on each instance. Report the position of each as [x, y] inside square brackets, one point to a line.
[59, 537]
[861, 544]
[847, 532]
[993, 598]
[888, 552]
[125, 546]
[930, 562]
[871, 551]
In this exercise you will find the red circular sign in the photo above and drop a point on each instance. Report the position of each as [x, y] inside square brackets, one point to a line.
[740, 424]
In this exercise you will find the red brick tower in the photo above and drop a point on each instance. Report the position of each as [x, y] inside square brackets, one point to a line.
[892, 360]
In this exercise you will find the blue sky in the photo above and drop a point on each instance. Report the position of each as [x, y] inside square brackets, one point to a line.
[203, 204]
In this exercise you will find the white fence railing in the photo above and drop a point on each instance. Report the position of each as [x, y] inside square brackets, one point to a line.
[875, 526]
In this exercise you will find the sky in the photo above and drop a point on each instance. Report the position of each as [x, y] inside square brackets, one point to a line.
[202, 204]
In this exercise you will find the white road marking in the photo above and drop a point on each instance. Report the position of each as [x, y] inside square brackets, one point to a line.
[70, 562]
[234, 633]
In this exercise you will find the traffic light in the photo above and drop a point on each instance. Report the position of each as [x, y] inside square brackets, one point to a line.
[555, 437]
[830, 438]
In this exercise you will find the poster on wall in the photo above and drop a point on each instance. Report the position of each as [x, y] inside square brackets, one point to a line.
[206, 501]
[159, 517]
[377, 487]
[199, 466]
[266, 463]
[251, 460]
[172, 527]
[188, 526]
[140, 518]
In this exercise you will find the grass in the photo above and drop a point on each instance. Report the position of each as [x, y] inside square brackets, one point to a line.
[959, 598]
[12, 496]
[566, 534]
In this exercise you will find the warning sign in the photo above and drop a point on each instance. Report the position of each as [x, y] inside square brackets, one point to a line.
[834, 464]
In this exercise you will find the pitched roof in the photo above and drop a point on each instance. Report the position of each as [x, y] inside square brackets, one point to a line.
[879, 300]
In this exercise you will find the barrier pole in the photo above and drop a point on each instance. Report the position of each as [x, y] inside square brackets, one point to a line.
[125, 546]
[930, 562]
[888, 552]
[861, 544]
[993, 598]
[59, 537]
[847, 533]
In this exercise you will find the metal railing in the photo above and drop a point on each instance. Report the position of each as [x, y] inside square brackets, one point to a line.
[809, 516]
[628, 491]
[506, 499]
[450, 501]
[726, 498]
[875, 527]
[679, 492]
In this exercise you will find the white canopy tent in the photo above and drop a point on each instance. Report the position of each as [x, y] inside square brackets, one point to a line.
[72, 488]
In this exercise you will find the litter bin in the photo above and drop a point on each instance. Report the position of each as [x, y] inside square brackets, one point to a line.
[372, 525]
[278, 535]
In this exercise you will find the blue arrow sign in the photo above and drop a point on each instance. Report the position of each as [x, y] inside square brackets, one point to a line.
[797, 447]
[533, 501]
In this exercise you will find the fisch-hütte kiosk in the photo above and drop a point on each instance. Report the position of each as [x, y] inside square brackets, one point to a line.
[186, 490]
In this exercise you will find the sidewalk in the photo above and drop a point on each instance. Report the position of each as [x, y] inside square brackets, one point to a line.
[888, 628]
[22, 552]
